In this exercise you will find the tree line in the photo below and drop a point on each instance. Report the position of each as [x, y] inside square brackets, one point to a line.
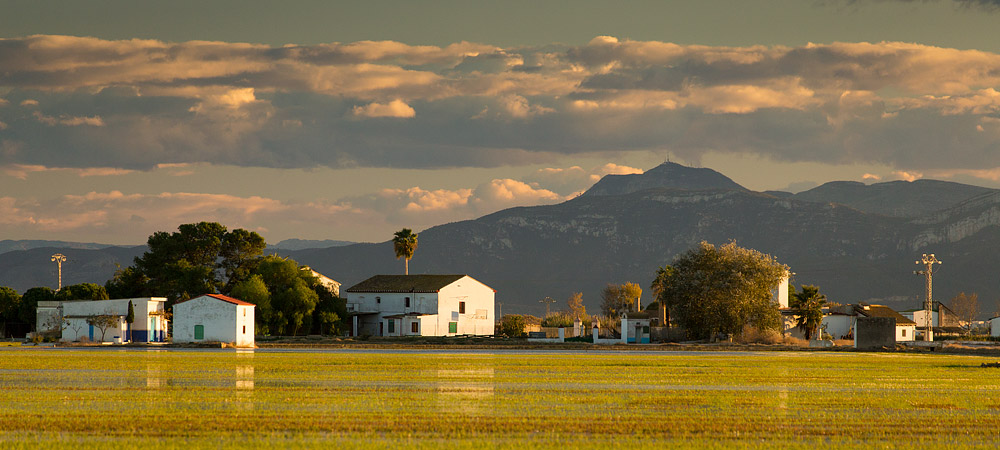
[206, 258]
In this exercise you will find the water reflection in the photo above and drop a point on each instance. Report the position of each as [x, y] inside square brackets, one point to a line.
[467, 390]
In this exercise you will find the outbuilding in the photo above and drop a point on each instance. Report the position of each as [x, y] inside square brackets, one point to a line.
[104, 320]
[214, 318]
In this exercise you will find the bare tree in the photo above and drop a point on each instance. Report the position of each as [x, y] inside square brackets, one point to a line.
[966, 307]
[104, 321]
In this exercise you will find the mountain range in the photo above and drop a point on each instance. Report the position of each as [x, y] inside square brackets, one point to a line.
[857, 242]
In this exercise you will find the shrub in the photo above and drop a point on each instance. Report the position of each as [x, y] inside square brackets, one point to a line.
[754, 335]
[512, 325]
[559, 319]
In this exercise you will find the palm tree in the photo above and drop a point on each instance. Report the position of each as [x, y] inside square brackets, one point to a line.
[809, 304]
[404, 242]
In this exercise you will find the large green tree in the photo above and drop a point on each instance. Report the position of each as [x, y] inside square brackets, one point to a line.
[198, 258]
[722, 289]
[29, 303]
[10, 303]
[82, 291]
[292, 296]
[404, 243]
[808, 305]
[253, 290]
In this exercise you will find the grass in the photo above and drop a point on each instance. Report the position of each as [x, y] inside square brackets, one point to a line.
[505, 399]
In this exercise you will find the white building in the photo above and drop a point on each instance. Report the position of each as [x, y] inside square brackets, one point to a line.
[214, 318]
[329, 283]
[150, 324]
[994, 326]
[421, 305]
[839, 321]
[780, 292]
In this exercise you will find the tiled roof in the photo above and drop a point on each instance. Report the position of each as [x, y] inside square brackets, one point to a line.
[223, 298]
[405, 283]
[885, 311]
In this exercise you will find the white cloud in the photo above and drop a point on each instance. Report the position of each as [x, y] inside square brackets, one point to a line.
[395, 108]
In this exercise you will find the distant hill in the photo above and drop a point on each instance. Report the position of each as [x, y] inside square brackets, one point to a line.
[7, 245]
[580, 245]
[25, 269]
[301, 244]
[894, 198]
[666, 175]
[835, 237]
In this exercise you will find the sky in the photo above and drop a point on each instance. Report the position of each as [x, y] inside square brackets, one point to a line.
[351, 120]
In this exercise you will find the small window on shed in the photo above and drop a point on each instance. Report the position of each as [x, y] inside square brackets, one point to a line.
[461, 307]
[199, 332]
[453, 327]
[415, 327]
[904, 332]
[406, 302]
[244, 329]
[378, 299]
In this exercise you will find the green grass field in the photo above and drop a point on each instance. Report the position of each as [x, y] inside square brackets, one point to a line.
[505, 399]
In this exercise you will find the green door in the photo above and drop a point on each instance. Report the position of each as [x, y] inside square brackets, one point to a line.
[199, 332]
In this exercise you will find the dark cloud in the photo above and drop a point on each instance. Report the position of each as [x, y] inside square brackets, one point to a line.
[136, 104]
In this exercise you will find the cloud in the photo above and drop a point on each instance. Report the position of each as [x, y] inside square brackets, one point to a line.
[22, 171]
[395, 108]
[139, 103]
[69, 121]
[907, 176]
[572, 180]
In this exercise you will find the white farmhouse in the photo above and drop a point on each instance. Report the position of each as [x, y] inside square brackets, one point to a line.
[214, 318]
[421, 305]
[149, 325]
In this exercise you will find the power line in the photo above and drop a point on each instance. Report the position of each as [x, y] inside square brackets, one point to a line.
[928, 261]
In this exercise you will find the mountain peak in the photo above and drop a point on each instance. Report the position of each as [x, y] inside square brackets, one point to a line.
[666, 175]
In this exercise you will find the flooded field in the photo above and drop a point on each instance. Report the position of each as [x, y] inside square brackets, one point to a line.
[518, 399]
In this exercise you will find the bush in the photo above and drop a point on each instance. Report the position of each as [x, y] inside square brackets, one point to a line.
[754, 335]
[559, 319]
[512, 325]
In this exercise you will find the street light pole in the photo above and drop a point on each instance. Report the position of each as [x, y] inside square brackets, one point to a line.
[548, 301]
[59, 258]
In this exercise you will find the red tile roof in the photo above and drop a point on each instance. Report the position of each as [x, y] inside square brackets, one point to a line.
[229, 299]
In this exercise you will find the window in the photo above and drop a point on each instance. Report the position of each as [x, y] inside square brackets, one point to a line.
[199, 332]
[392, 326]
[244, 329]
[406, 302]
[453, 327]
[378, 299]
[244, 312]
[904, 332]
[415, 327]
[461, 307]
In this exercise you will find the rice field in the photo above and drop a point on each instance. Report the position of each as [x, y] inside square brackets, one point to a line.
[501, 399]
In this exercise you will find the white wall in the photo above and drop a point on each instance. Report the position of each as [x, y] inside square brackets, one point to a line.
[148, 311]
[479, 317]
[222, 321]
[906, 332]
[436, 310]
[995, 326]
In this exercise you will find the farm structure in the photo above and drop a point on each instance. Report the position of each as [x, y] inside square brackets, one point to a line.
[214, 318]
[421, 305]
[839, 321]
[76, 319]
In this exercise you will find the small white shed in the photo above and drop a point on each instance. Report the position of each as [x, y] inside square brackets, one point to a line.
[214, 318]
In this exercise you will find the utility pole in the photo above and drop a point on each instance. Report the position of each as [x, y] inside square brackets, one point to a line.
[548, 301]
[928, 262]
[59, 258]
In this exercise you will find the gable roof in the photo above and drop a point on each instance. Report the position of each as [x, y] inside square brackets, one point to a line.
[405, 283]
[885, 311]
[223, 298]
